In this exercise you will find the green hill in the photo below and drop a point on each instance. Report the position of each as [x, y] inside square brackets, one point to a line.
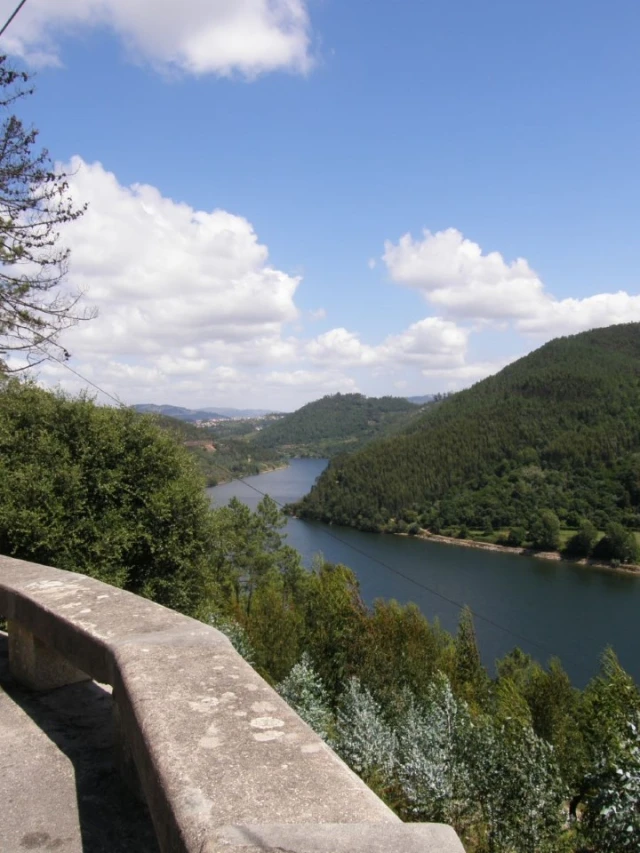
[558, 429]
[219, 458]
[335, 424]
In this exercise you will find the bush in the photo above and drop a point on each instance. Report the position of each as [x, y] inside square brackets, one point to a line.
[105, 492]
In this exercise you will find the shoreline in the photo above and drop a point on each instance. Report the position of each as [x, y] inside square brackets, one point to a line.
[268, 470]
[553, 556]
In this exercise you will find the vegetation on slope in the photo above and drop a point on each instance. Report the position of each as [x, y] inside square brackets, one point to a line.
[220, 457]
[336, 423]
[557, 431]
[106, 492]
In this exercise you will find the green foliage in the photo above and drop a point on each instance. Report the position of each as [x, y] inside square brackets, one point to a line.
[617, 544]
[335, 424]
[219, 458]
[556, 431]
[611, 820]
[545, 531]
[363, 738]
[102, 491]
[582, 543]
[304, 691]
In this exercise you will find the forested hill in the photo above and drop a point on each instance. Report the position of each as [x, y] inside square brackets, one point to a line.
[558, 429]
[219, 458]
[336, 423]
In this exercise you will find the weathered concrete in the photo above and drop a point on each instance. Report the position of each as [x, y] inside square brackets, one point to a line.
[338, 838]
[60, 789]
[212, 743]
[37, 665]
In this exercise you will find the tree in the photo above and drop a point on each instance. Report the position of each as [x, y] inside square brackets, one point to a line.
[34, 204]
[469, 677]
[104, 492]
[545, 531]
[517, 785]
[431, 760]
[581, 544]
[618, 543]
[611, 818]
[304, 691]
[363, 738]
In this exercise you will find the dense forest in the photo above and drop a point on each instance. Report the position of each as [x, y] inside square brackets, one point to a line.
[519, 763]
[551, 440]
[219, 455]
[336, 423]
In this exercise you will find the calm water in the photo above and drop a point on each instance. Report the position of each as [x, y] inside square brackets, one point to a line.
[565, 610]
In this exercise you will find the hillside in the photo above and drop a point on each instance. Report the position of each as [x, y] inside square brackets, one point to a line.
[336, 424]
[219, 458]
[558, 429]
[189, 415]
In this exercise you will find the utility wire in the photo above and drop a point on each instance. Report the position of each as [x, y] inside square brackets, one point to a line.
[479, 616]
[13, 14]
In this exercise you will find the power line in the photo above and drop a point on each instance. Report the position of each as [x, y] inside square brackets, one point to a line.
[13, 14]
[479, 616]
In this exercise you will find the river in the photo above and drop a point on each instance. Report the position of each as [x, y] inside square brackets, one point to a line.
[546, 608]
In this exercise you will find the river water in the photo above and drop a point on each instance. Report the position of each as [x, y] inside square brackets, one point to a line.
[546, 608]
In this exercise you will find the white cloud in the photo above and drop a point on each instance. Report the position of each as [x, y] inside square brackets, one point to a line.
[195, 36]
[187, 299]
[454, 275]
[429, 343]
[568, 316]
[432, 342]
[339, 346]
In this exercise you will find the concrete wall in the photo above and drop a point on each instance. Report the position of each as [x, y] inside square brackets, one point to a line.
[222, 761]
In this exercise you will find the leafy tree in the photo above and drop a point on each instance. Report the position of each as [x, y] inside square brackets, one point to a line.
[34, 204]
[545, 531]
[104, 492]
[363, 738]
[611, 820]
[516, 537]
[431, 757]
[581, 544]
[304, 691]
[618, 544]
[517, 785]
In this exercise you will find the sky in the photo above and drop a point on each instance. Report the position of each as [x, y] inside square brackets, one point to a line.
[291, 198]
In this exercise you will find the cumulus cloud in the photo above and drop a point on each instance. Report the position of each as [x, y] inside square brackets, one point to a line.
[186, 298]
[340, 346]
[432, 342]
[429, 343]
[195, 36]
[454, 275]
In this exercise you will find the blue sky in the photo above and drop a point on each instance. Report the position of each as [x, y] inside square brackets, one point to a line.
[292, 198]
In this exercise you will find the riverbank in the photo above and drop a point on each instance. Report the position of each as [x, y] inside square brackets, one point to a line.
[527, 552]
[264, 469]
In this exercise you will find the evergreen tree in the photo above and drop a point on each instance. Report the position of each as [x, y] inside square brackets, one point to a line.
[469, 678]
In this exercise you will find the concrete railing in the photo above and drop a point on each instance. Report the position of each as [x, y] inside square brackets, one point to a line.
[222, 761]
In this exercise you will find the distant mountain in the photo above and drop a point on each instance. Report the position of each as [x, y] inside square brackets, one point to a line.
[241, 413]
[419, 401]
[557, 430]
[335, 424]
[178, 412]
